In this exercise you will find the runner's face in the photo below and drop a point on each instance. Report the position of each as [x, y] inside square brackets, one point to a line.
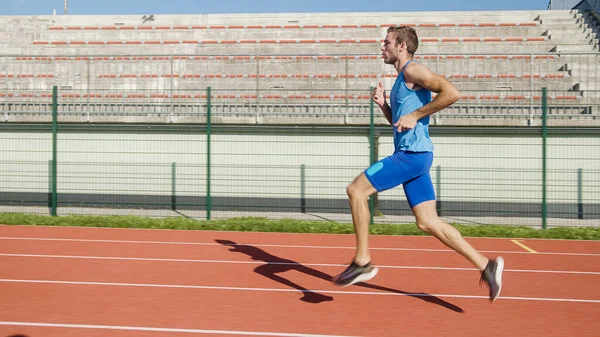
[390, 50]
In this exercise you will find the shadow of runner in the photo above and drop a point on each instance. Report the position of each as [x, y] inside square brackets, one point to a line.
[275, 265]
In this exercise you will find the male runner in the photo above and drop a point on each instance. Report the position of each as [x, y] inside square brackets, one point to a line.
[409, 110]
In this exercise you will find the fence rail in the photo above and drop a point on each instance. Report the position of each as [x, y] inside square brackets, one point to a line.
[517, 108]
[540, 176]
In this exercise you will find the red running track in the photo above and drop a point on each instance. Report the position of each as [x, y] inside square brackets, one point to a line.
[65, 281]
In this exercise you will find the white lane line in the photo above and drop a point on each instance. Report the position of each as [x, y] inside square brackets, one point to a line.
[380, 293]
[282, 246]
[171, 330]
[118, 258]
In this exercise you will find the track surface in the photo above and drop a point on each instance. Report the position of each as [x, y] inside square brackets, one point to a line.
[67, 282]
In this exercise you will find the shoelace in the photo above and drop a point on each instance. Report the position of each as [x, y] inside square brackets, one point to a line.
[352, 268]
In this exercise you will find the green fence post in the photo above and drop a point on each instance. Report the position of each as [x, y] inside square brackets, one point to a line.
[580, 193]
[208, 132]
[54, 149]
[438, 183]
[303, 188]
[173, 186]
[544, 156]
[50, 180]
[372, 150]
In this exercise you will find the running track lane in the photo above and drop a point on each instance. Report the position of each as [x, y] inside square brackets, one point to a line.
[272, 252]
[276, 307]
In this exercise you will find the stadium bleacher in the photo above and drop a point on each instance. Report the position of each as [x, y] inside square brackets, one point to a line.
[295, 65]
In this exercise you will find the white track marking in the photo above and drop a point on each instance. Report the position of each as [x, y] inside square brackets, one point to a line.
[379, 293]
[284, 246]
[118, 258]
[170, 330]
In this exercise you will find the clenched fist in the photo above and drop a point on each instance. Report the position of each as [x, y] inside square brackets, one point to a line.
[405, 123]
[378, 94]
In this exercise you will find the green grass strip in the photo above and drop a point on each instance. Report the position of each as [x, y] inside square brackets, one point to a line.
[252, 224]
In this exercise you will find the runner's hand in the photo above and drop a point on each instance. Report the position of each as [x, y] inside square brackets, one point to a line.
[378, 95]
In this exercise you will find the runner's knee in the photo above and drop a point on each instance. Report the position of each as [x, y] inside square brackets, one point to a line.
[355, 192]
[428, 225]
[352, 191]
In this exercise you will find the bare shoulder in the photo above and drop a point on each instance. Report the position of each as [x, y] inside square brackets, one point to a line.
[423, 77]
[416, 70]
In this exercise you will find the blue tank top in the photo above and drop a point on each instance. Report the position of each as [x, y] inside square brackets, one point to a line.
[404, 101]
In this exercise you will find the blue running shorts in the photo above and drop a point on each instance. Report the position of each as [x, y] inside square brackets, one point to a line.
[411, 169]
